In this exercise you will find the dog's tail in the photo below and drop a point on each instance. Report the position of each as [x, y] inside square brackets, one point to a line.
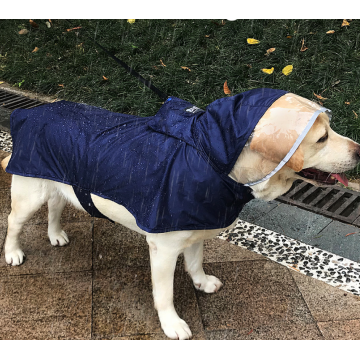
[5, 162]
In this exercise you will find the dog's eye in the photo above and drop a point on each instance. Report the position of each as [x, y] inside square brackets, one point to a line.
[322, 139]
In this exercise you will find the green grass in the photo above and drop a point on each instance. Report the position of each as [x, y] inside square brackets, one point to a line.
[214, 53]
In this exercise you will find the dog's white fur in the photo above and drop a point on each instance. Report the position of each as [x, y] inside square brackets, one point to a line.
[336, 154]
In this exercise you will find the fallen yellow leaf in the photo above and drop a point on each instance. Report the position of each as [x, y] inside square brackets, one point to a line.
[288, 37]
[268, 71]
[207, 36]
[320, 97]
[303, 47]
[347, 102]
[252, 41]
[105, 78]
[162, 63]
[23, 31]
[36, 49]
[269, 51]
[345, 23]
[131, 21]
[356, 115]
[330, 31]
[1, 82]
[62, 85]
[185, 68]
[227, 91]
[287, 70]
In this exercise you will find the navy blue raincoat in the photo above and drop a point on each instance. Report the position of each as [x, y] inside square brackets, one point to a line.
[169, 170]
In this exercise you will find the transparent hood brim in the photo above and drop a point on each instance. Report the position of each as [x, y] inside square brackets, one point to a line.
[294, 147]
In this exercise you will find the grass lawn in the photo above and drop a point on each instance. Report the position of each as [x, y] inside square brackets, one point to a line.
[190, 59]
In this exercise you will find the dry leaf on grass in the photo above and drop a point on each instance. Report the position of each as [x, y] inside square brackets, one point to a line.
[320, 97]
[287, 70]
[268, 71]
[345, 23]
[75, 28]
[36, 49]
[131, 21]
[185, 68]
[105, 78]
[33, 23]
[330, 31]
[227, 91]
[269, 51]
[347, 102]
[161, 62]
[303, 47]
[62, 85]
[356, 115]
[23, 31]
[252, 41]
[48, 24]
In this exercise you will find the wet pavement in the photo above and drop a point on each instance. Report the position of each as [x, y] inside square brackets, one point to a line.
[99, 286]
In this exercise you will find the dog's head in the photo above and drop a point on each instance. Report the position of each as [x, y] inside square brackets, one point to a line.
[322, 157]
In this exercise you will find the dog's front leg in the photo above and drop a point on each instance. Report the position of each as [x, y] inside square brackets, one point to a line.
[193, 265]
[163, 258]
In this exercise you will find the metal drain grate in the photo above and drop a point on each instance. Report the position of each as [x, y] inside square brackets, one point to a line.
[331, 201]
[12, 101]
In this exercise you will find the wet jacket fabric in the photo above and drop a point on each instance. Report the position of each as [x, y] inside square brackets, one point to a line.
[169, 170]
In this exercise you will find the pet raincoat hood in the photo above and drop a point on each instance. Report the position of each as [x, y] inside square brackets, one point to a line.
[169, 170]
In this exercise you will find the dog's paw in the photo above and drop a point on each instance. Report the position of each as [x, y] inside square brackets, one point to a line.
[211, 284]
[176, 329]
[59, 239]
[15, 257]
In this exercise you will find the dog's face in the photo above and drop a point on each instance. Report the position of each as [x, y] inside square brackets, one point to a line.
[322, 149]
[325, 150]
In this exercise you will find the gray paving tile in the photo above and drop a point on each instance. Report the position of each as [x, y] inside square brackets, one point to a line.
[123, 305]
[256, 294]
[116, 245]
[5, 200]
[326, 302]
[281, 331]
[294, 222]
[335, 238]
[341, 330]
[257, 209]
[46, 306]
[216, 250]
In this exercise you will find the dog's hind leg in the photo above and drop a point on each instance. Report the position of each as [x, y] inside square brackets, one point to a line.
[56, 204]
[27, 196]
[193, 265]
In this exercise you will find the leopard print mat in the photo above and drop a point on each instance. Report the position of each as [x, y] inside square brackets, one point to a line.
[306, 259]
[5, 141]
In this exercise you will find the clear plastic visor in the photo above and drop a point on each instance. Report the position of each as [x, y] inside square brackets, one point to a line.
[280, 131]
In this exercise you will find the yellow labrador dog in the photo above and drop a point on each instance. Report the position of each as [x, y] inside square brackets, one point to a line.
[321, 149]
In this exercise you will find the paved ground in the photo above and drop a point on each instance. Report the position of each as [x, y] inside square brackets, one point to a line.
[99, 286]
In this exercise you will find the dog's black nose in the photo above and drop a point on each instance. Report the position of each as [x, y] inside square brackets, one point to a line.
[358, 152]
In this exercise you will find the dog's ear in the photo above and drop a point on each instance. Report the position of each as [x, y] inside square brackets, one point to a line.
[296, 162]
[275, 146]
